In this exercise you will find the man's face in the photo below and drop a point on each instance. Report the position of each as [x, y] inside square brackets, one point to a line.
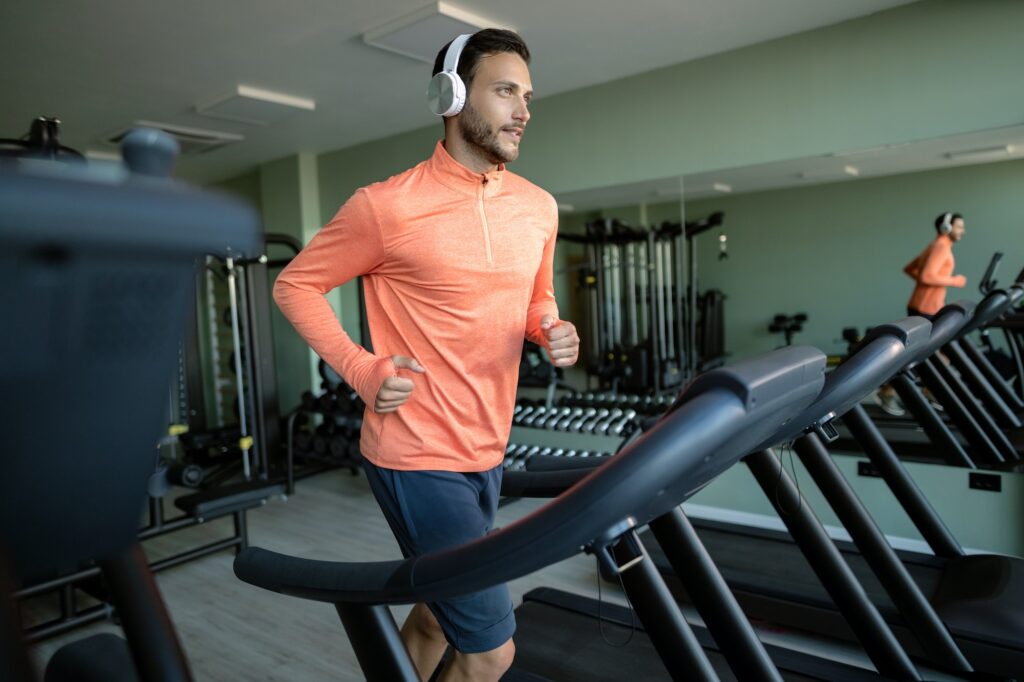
[496, 110]
[958, 230]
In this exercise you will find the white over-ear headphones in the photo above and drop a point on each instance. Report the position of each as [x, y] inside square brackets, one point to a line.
[946, 226]
[446, 94]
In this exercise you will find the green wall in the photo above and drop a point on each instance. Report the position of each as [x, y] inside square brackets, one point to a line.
[836, 251]
[245, 186]
[888, 77]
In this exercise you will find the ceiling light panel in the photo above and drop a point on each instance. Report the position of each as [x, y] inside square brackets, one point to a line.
[254, 105]
[422, 33]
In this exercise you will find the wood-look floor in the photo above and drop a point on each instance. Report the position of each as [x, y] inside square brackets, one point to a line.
[233, 631]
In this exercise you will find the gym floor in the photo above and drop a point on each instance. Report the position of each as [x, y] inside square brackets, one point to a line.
[233, 631]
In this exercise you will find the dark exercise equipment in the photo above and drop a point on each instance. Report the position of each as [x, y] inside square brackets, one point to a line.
[975, 598]
[719, 417]
[42, 141]
[65, 237]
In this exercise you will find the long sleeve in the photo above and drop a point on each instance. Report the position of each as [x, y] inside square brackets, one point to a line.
[930, 271]
[349, 245]
[913, 268]
[542, 300]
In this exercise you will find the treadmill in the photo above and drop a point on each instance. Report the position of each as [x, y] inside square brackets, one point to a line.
[981, 425]
[713, 423]
[884, 351]
[978, 597]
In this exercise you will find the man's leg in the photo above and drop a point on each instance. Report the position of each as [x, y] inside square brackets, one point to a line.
[424, 639]
[483, 667]
[432, 510]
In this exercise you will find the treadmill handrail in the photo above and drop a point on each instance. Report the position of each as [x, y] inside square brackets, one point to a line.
[946, 325]
[881, 355]
[990, 308]
[663, 467]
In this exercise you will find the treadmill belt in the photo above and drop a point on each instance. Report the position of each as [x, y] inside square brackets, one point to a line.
[557, 644]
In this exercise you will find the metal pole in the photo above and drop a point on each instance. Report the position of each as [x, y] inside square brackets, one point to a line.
[939, 434]
[834, 573]
[237, 344]
[910, 497]
[972, 431]
[718, 607]
[980, 386]
[921, 618]
[660, 615]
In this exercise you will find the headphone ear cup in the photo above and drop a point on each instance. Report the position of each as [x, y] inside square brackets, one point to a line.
[446, 94]
[947, 224]
[458, 95]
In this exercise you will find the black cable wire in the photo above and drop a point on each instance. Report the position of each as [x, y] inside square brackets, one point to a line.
[783, 448]
[600, 617]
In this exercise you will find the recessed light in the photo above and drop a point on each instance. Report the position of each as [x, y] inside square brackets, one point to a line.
[987, 154]
[421, 34]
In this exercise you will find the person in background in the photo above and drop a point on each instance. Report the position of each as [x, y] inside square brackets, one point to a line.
[932, 270]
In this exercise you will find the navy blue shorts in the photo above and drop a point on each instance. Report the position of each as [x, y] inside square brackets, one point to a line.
[432, 510]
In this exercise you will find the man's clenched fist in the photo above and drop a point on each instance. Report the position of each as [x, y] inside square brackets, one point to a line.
[562, 341]
[396, 390]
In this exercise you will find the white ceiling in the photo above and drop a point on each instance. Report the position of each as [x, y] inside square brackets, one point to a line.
[902, 157]
[99, 66]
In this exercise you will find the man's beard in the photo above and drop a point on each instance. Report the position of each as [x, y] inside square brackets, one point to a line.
[476, 132]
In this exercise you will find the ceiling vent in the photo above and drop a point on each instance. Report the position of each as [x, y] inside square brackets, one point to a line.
[192, 140]
[422, 33]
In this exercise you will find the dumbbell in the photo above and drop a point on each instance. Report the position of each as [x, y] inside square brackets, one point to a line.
[518, 417]
[617, 428]
[589, 424]
[338, 446]
[577, 423]
[185, 474]
[565, 422]
[555, 416]
[601, 427]
[535, 416]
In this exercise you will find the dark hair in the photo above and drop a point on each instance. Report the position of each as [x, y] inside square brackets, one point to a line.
[953, 217]
[486, 42]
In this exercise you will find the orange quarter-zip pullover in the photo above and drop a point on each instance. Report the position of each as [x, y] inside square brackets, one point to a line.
[932, 271]
[457, 270]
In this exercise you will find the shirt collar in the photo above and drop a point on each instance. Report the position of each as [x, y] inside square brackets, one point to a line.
[458, 177]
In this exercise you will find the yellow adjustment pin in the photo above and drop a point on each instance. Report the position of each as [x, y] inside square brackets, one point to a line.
[245, 443]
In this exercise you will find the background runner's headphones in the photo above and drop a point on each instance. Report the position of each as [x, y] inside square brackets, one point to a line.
[446, 94]
[946, 226]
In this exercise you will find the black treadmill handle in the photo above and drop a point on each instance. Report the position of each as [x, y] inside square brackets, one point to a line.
[545, 483]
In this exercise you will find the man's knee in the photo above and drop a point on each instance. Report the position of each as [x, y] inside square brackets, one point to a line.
[425, 622]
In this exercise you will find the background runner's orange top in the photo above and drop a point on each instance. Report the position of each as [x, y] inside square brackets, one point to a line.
[933, 270]
[458, 269]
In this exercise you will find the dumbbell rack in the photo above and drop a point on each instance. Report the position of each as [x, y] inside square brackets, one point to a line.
[334, 441]
[577, 425]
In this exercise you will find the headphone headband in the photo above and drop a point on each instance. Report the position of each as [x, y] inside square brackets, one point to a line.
[451, 57]
[446, 94]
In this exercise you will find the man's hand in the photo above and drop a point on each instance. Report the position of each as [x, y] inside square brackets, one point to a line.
[960, 281]
[396, 390]
[562, 341]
